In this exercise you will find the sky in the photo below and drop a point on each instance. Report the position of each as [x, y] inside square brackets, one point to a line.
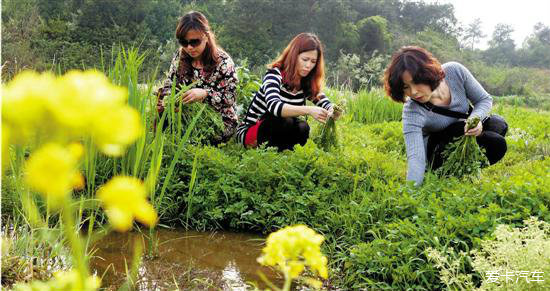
[522, 15]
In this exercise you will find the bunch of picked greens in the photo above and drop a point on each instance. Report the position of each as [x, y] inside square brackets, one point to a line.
[463, 157]
[326, 137]
[209, 126]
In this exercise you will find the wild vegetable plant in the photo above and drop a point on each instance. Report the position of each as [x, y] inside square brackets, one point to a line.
[326, 136]
[463, 157]
[208, 126]
[515, 259]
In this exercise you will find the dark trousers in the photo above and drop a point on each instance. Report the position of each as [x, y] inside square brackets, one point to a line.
[491, 139]
[282, 132]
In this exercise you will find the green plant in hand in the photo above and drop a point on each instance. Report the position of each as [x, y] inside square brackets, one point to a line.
[463, 157]
[209, 125]
[326, 136]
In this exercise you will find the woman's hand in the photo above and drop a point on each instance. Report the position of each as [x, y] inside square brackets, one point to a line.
[320, 114]
[474, 131]
[194, 95]
[334, 114]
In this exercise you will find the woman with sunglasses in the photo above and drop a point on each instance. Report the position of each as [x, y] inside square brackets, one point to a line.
[437, 98]
[296, 75]
[200, 60]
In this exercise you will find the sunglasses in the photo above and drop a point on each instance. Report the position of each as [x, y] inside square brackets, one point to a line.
[193, 42]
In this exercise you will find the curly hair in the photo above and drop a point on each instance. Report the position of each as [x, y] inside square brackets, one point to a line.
[421, 64]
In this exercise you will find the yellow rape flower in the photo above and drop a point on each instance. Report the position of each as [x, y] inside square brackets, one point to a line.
[293, 248]
[116, 129]
[25, 103]
[89, 103]
[83, 97]
[52, 170]
[125, 198]
[63, 281]
[61, 109]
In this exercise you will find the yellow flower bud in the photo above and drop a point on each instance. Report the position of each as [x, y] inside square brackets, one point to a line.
[83, 97]
[124, 198]
[25, 103]
[63, 281]
[51, 170]
[292, 248]
[116, 129]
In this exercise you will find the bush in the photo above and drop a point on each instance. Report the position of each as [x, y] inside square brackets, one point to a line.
[502, 80]
[354, 72]
[521, 253]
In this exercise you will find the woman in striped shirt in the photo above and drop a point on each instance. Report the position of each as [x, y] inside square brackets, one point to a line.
[297, 74]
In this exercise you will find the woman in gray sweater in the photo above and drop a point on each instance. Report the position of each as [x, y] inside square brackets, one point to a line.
[417, 79]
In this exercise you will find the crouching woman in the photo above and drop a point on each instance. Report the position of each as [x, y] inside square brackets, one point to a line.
[296, 75]
[201, 61]
[437, 99]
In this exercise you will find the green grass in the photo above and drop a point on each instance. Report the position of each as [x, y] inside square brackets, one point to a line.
[377, 226]
[372, 106]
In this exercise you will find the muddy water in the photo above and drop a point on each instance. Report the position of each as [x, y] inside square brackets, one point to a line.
[190, 260]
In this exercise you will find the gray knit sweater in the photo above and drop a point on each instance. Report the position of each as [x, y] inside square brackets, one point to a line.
[418, 122]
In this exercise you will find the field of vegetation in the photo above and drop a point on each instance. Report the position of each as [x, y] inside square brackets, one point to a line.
[380, 231]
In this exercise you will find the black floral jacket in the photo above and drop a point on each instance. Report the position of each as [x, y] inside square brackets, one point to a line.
[221, 86]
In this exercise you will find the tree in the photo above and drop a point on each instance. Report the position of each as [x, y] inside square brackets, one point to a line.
[373, 35]
[536, 48]
[420, 16]
[502, 49]
[473, 33]
[18, 36]
[258, 30]
[332, 23]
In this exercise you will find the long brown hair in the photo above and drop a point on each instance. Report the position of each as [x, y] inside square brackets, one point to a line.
[287, 62]
[210, 57]
[421, 64]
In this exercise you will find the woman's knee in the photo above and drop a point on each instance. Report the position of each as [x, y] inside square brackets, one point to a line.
[302, 132]
[496, 124]
[494, 144]
[287, 123]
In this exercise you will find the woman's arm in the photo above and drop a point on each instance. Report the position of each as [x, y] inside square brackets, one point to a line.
[322, 101]
[320, 114]
[220, 93]
[416, 156]
[413, 121]
[482, 101]
[272, 88]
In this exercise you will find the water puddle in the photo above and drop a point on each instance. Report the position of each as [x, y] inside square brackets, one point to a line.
[187, 260]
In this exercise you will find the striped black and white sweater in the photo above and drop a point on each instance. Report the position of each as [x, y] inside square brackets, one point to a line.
[271, 97]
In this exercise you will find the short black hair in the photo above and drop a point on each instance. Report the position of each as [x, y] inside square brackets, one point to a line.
[421, 64]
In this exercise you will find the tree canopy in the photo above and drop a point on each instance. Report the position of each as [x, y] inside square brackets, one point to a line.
[64, 34]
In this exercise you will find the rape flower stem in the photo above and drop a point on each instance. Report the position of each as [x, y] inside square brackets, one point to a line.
[288, 282]
[77, 252]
